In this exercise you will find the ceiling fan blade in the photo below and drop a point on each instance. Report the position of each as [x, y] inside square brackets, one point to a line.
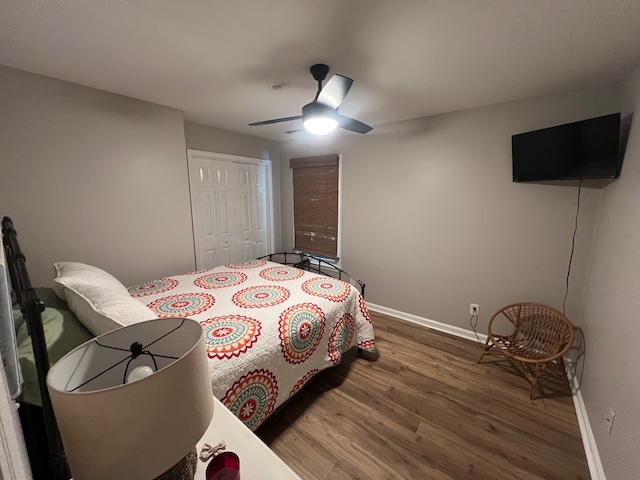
[353, 125]
[276, 120]
[334, 91]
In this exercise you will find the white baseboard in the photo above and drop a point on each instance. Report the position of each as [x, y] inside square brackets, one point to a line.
[432, 324]
[588, 440]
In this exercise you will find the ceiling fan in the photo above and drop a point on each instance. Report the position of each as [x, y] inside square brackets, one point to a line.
[321, 116]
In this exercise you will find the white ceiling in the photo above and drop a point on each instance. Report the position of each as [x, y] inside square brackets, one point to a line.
[216, 59]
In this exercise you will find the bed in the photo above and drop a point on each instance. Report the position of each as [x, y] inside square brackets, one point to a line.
[269, 327]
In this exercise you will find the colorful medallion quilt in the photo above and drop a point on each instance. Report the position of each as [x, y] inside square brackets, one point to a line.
[269, 328]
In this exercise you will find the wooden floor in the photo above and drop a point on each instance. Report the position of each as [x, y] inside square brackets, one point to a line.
[424, 409]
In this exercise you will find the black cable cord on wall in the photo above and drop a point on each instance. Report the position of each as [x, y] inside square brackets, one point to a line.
[573, 244]
[473, 321]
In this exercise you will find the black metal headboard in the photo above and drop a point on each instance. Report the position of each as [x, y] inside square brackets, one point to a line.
[31, 308]
[307, 261]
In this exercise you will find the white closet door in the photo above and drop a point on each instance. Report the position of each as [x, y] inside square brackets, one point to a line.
[230, 208]
[259, 206]
[204, 212]
[226, 179]
[245, 213]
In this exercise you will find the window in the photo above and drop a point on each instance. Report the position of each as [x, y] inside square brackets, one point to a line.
[315, 204]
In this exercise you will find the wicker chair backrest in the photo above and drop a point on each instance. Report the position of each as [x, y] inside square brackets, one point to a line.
[541, 333]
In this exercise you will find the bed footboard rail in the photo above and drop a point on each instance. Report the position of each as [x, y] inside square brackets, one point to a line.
[31, 308]
[313, 263]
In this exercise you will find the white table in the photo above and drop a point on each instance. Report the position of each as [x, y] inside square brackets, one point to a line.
[257, 461]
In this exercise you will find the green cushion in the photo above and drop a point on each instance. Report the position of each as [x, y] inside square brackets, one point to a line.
[63, 332]
[48, 297]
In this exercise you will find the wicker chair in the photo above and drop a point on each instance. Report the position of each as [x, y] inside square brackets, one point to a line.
[540, 337]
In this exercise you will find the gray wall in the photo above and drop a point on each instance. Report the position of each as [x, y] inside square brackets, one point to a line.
[611, 323]
[209, 139]
[432, 220]
[93, 177]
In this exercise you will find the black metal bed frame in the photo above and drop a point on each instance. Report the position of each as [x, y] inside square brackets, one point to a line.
[303, 261]
[31, 307]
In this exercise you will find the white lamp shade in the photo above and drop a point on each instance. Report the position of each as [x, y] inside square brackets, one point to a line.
[140, 429]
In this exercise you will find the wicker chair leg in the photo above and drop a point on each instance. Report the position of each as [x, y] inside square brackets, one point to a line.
[534, 379]
[534, 386]
[562, 369]
[486, 349]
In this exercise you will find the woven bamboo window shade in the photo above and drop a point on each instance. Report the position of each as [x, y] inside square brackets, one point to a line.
[315, 204]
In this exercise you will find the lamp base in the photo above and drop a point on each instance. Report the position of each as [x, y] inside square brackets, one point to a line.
[185, 469]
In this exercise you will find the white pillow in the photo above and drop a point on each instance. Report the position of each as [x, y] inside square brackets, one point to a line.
[101, 310]
[69, 273]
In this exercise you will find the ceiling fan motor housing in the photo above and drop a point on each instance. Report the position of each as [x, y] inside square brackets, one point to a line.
[315, 109]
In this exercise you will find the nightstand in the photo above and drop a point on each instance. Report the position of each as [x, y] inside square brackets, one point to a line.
[257, 461]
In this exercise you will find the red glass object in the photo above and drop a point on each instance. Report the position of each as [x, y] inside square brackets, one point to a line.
[224, 466]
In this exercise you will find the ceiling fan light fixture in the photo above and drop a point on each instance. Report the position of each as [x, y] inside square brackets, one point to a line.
[320, 125]
[319, 119]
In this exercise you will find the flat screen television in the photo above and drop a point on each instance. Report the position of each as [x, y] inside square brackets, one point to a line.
[585, 149]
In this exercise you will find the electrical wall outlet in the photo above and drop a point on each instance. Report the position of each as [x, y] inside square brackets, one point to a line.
[474, 309]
